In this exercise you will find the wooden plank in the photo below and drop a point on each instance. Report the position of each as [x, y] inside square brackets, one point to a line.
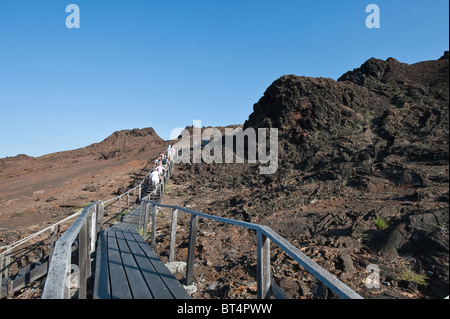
[118, 278]
[30, 276]
[102, 287]
[157, 286]
[172, 283]
[119, 226]
[126, 226]
[136, 282]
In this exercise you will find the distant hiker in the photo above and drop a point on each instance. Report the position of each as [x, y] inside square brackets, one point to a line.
[154, 176]
[169, 151]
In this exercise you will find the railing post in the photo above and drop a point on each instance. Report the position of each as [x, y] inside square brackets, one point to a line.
[1, 274]
[52, 246]
[7, 264]
[141, 216]
[146, 215]
[83, 257]
[94, 223]
[173, 234]
[120, 206]
[100, 216]
[54, 235]
[191, 250]
[153, 243]
[263, 265]
[9, 288]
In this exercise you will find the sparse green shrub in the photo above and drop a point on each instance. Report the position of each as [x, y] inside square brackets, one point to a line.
[365, 237]
[143, 235]
[381, 223]
[123, 213]
[407, 274]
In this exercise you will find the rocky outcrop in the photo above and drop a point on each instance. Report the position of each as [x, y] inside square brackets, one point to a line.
[362, 176]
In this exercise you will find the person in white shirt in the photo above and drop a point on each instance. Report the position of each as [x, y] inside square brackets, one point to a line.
[154, 176]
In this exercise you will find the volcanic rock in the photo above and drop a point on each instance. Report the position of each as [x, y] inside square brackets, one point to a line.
[372, 145]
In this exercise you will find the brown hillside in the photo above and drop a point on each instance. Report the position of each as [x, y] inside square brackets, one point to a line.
[38, 190]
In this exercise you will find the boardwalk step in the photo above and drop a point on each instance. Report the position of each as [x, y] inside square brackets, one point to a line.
[127, 268]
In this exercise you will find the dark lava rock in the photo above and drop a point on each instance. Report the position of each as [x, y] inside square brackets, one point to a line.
[373, 144]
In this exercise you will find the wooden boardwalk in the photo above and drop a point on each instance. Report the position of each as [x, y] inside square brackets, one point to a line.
[128, 268]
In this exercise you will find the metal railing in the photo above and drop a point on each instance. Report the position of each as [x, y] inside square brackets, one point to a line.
[17, 250]
[264, 236]
[84, 230]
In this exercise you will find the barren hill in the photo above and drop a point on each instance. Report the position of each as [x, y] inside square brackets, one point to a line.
[38, 190]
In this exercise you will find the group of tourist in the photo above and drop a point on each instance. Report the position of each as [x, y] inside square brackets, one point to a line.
[156, 176]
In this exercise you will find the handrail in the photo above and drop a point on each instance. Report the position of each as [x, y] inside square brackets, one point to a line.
[25, 239]
[85, 229]
[5, 255]
[264, 235]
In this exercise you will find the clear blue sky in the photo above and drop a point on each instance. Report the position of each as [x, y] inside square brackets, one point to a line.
[163, 64]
